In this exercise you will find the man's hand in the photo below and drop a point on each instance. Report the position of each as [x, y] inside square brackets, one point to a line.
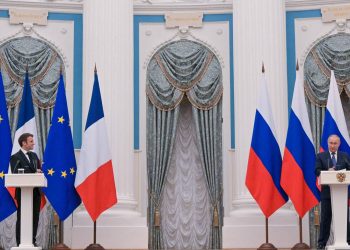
[39, 170]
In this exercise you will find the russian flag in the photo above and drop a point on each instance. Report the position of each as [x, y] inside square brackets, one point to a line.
[298, 177]
[264, 163]
[334, 121]
[7, 204]
[95, 178]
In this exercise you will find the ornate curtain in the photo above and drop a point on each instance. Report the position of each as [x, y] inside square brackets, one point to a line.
[43, 67]
[331, 53]
[178, 69]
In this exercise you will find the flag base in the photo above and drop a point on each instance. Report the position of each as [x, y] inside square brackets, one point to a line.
[267, 246]
[94, 247]
[300, 246]
[61, 246]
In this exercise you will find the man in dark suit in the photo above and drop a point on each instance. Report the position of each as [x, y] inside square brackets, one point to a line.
[329, 160]
[27, 161]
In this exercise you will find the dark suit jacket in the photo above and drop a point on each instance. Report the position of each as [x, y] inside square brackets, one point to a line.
[324, 162]
[19, 160]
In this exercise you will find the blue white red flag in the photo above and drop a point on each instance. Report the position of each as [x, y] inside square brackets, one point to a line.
[95, 178]
[264, 163]
[298, 177]
[25, 124]
[334, 121]
[26, 117]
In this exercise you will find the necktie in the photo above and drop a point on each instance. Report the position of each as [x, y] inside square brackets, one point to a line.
[30, 158]
[334, 161]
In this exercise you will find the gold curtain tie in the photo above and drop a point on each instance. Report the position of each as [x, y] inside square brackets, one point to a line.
[216, 217]
[157, 218]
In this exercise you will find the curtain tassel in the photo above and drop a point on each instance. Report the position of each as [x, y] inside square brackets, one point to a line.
[216, 217]
[157, 218]
[316, 217]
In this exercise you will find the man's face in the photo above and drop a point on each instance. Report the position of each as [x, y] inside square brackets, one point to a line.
[333, 144]
[28, 144]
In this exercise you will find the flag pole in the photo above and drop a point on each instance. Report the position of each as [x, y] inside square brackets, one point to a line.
[60, 245]
[301, 244]
[267, 245]
[94, 246]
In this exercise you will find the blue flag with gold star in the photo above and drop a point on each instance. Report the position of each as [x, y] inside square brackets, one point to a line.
[7, 205]
[59, 164]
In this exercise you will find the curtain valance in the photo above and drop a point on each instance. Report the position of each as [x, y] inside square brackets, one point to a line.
[332, 53]
[184, 68]
[43, 66]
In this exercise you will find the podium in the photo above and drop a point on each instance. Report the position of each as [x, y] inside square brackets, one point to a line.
[26, 182]
[338, 182]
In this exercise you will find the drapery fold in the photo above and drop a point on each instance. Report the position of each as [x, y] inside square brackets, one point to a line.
[185, 206]
[209, 134]
[184, 68]
[161, 127]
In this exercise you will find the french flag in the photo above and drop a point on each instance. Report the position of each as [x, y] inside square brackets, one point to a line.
[298, 177]
[95, 178]
[26, 124]
[26, 118]
[264, 163]
[334, 120]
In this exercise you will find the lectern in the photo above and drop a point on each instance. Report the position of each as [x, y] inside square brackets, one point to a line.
[338, 182]
[26, 182]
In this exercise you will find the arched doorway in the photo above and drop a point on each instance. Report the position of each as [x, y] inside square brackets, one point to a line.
[184, 113]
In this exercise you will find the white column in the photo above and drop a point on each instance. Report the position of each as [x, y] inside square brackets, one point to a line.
[259, 36]
[108, 42]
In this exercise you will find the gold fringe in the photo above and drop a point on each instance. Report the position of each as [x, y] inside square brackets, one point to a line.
[159, 105]
[211, 104]
[326, 72]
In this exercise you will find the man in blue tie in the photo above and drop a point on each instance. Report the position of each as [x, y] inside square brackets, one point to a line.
[325, 161]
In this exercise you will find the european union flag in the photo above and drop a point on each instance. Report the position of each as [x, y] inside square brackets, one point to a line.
[7, 205]
[59, 164]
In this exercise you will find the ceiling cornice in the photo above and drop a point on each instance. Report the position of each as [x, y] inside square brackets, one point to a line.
[207, 8]
[312, 4]
[50, 5]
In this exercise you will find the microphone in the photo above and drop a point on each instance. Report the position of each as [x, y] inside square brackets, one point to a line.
[16, 165]
[328, 164]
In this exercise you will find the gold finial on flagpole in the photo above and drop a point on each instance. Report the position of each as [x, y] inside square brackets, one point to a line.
[263, 68]
[297, 67]
[27, 68]
[61, 69]
[95, 70]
